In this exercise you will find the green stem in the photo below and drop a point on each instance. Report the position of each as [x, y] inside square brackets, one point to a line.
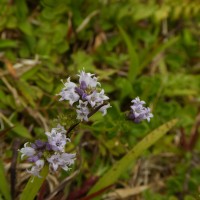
[34, 184]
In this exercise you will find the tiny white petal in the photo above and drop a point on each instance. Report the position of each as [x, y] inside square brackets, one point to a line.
[89, 79]
[27, 151]
[104, 108]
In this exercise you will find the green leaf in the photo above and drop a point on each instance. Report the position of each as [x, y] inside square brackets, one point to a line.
[33, 185]
[27, 92]
[22, 10]
[143, 12]
[134, 61]
[26, 28]
[8, 44]
[4, 187]
[156, 51]
[29, 73]
[22, 131]
[121, 166]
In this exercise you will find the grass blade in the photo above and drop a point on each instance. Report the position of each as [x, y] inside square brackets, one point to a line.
[134, 59]
[4, 187]
[159, 48]
[33, 186]
[121, 166]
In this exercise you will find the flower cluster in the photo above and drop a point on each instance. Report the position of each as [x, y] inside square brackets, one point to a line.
[88, 95]
[51, 152]
[139, 112]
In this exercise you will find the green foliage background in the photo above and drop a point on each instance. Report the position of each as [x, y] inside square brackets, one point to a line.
[139, 48]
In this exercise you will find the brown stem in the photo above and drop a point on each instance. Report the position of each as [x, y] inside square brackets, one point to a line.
[183, 142]
[15, 147]
[194, 133]
[96, 194]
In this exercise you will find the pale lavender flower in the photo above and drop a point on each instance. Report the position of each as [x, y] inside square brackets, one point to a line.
[35, 170]
[27, 151]
[89, 80]
[68, 92]
[58, 142]
[104, 108]
[139, 112]
[54, 131]
[137, 101]
[57, 138]
[70, 85]
[63, 160]
[88, 91]
[36, 157]
[70, 95]
[148, 114]
[96, 98]
[51, 151]
[82, 111]
[54, 161]
[67, 160]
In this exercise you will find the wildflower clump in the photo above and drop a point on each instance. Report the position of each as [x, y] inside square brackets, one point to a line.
[139, 112]
[51, 152]
[87, 95]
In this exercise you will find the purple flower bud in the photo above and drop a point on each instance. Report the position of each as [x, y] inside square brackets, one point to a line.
[33, 146]
[84, 95]
[79, 91]
[139, 112]
[39, 143]
[83, 85]
[48, 147]
[33, 158]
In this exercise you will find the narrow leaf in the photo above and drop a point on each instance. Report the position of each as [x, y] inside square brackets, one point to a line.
[121, 166]
[134, 61]
[4, 187]
[161, 47]
[22, 131]
[8, 44]
[33, 185]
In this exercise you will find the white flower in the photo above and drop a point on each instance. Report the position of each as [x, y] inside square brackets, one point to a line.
[69, 85]
[57, 138]
[137, 101]
[68, 92]
[54, 161]
[104, 108]
[148, 114]
[27, 151]
[63, 160]
[83, 111]
[58, 142]
[96, 98]
[35, 170]
[54, 131]
[89, 79]
[139, 112]
[82, 114]
[67, 159]
[69, 95]
[92, 98]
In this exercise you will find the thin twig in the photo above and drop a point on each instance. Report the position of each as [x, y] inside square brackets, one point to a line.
[15, 148]
[86, 21]
[62, 184]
